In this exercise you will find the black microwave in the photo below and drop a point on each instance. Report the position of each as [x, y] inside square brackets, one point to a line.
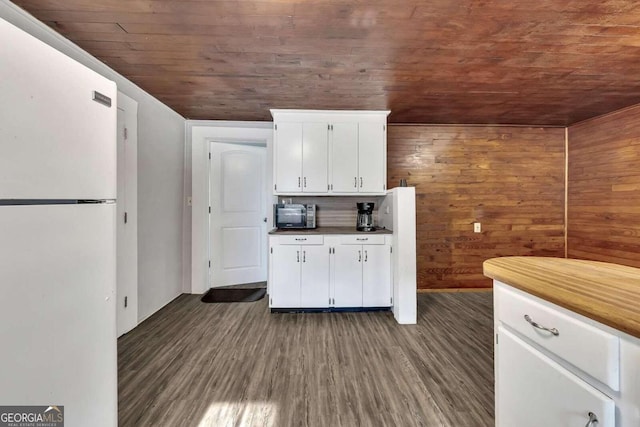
[294, 215]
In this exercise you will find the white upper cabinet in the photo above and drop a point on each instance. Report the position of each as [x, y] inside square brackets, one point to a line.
[301, 157]
[315, 157]
[330, 152]
[344, 158]
[288, 157]
[372, 157]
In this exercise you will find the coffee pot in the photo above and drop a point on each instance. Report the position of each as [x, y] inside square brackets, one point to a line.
[365, 217]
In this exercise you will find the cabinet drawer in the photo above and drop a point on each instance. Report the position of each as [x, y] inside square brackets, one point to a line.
[587, 347]
[311, 239]
[532, 390]
[362, 240]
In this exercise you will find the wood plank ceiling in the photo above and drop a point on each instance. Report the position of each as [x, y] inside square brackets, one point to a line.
[543, 62]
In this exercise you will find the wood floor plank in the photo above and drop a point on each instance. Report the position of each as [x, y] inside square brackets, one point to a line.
[197, 364]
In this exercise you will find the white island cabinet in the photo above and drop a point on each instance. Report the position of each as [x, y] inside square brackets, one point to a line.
[555, 367]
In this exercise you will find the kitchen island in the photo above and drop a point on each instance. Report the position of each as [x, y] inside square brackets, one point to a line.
[567, 342]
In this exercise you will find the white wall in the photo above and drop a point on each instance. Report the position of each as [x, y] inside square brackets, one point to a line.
[160, 173]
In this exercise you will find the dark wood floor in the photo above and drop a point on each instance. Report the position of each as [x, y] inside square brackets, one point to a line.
[196, 364]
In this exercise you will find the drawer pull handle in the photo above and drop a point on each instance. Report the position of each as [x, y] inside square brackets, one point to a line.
[554, 331]
[593, 420]
[302, 239]
[362, 240]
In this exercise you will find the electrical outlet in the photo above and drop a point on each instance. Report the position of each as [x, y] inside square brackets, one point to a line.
[477, 227]
[189, 201]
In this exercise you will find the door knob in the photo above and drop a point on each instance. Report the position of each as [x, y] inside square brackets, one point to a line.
[264, 219]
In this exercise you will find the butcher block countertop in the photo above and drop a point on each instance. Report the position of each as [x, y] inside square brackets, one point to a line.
[327, 230]
[607, 293]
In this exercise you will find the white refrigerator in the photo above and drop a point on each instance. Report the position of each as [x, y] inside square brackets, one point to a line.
[57, 232]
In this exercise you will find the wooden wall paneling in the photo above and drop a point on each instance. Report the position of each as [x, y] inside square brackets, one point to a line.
[517, 62]
[511, 179]
[604, 188]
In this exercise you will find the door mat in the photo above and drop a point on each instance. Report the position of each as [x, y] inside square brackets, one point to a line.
[233, 295]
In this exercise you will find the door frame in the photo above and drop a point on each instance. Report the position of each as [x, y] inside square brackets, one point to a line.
[202, 134]
[127, 238]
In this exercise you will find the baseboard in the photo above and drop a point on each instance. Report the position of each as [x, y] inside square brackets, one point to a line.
[426, 291]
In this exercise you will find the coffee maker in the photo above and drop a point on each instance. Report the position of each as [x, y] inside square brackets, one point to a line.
[365, 217]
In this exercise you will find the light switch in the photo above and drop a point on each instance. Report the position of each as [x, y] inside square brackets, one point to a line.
[477, 227]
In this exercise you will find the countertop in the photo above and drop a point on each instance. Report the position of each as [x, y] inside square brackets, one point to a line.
[327, 230]
[607, 293]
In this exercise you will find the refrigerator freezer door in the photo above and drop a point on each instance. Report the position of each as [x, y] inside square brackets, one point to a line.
[56, 142]
[57, 310]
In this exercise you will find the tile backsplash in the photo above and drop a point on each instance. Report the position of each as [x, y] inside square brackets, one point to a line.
[336, 211]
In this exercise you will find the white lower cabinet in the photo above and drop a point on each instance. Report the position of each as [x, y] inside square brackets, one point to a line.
[534, 391]
[330, 271]
[554, 367]
[299, 275]
[376, 276]
[361, 271]
[347, 275]
[314, 286]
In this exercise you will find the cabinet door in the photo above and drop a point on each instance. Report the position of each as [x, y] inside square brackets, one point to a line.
[532, 390]
[314, 288]
[315, 158]
[344, 158]
[288, 158]
[285, 289]
[376, 276]
[371, 156]
[348, 276]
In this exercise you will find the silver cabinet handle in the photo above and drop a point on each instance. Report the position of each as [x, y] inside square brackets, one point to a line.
[264, 219]
[365, 255]
[301, 239]
[297, 256]
[554, 331]
[593, 420]
[359, 256]
[305, 182]
[362, 239]
[304, 256]
[298, 182]
[355, 182]
[360, 182]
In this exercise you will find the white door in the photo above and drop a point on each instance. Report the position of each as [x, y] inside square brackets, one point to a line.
[376, 276]
[285, 289]
[238, 239]
[344, 158]
[533, 390]
[371, 164]
[127, 216]
[315, 157]
[315, 276]
[348, 276]
[288, 157]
